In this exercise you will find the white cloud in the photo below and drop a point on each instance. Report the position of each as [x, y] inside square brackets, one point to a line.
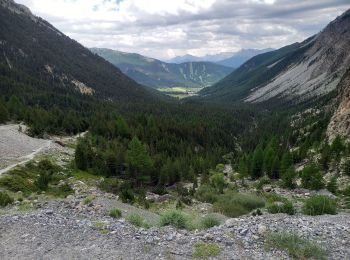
[163, 29]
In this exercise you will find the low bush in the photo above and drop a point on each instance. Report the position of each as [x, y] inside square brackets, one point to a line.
[312, 178]
[332, 185]
[236, 204]
[137, 220]
[17, 183]
[261, 182]
[203, 250]
[206, 193]
[175, 218]
[5, 199]
[61, 191]
[281, 207]
[319, 205]
[297, 247]
[209, 221]
[110, 185]
[115, 213]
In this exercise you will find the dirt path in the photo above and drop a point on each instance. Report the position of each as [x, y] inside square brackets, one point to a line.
[17, 148]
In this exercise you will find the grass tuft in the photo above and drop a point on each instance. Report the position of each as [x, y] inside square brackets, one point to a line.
[296, 246]
[115, 213]
[319, 205]
[203, 250]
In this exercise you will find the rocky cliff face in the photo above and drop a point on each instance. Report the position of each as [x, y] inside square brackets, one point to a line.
[318, 71]
[340, 121]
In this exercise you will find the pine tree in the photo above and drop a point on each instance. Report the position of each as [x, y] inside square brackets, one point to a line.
[286, 162]
[138, 160]
[81, 160]
[16, 108]
[288, 178]
[346, 167]
[257, 163]
[269, 158]
[242, 170]
[3, 113]
[337, 146]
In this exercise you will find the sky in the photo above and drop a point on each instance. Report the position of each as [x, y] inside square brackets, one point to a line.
[167, 28]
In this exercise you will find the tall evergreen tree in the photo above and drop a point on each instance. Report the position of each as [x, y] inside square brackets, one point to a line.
[3, 113]
[257, 163]
[138, 160]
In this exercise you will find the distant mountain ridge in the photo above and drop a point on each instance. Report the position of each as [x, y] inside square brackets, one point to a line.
[155, 73]
[295, 73]
[230, 59]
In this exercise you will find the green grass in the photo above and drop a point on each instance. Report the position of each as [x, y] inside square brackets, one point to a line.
[5, 199]
[60, 192]
[234, 204]
[296, 246]
[115, 213]
[281, 207]
[205, 250]
[319, 205]
[175, 218]
[84, 176]
[209, 221]
[137, 220]
[88, 200]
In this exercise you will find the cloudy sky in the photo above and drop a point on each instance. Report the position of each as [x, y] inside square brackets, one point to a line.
[168, 28]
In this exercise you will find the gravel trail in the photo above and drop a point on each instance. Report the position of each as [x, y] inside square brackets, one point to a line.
[17, 148]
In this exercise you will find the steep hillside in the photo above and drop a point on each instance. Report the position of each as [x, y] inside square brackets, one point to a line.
[340, 121]
[299, 72]
[155, 73]
[31, 48]
[254, 72]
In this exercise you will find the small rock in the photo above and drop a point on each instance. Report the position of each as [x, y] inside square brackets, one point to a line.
[262, 230]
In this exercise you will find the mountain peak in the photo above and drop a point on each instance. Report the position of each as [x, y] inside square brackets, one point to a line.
[16, 8]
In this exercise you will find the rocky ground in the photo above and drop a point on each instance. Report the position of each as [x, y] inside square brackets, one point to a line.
[15, 146]
[71, 229]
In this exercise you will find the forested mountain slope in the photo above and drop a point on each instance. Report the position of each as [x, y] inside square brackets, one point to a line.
[299, 72]
[32, 48]
[155, 73]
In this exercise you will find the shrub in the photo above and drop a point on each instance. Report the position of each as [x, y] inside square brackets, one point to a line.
[16, 183]
[311, 178]
[262, 181]
[297, 247]
[288, 178]
[110, 185]
[43, 181]
[115, 213]
[346, 167]
[137, 220]
[203, 250]
[174, 218]
[237, 204]
[281, 207]
[160, 190]
[209, 221]
[5, 199]
[62, 191]
[332, 185]
[206, 193]
[319, 205]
